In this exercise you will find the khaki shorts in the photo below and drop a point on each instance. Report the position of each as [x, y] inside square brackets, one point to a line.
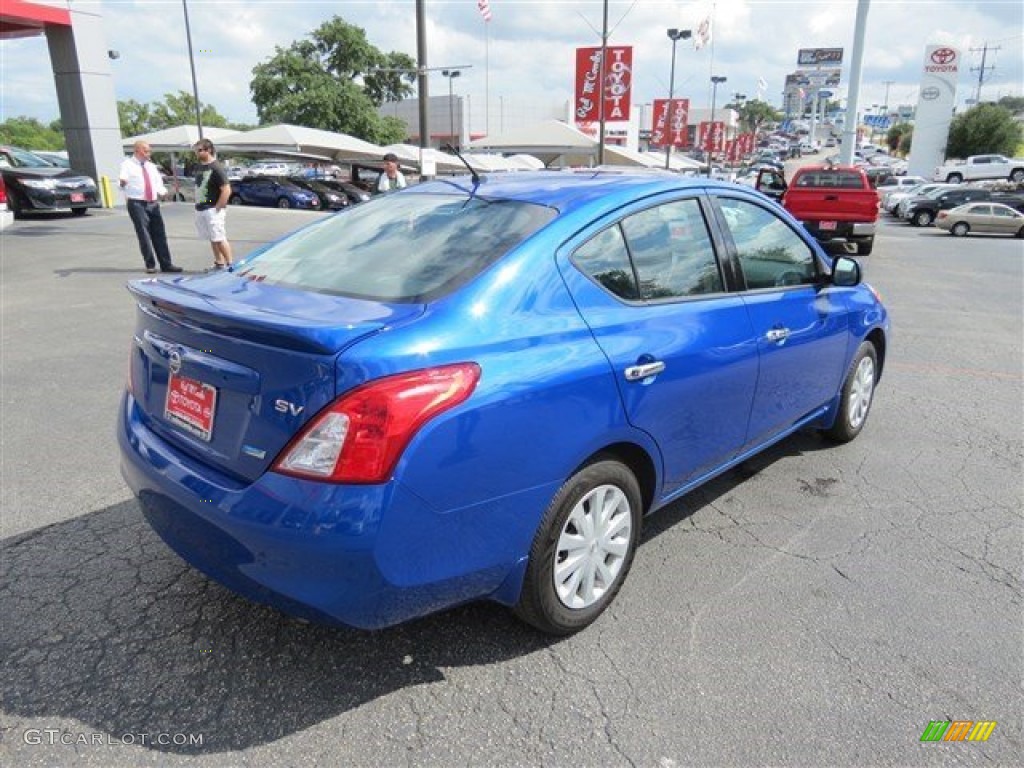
[210, 224]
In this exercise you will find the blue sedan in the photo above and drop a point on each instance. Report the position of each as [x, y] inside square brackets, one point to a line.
[477, 389]
[272, 191]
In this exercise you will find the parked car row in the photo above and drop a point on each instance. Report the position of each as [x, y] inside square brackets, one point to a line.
[960, 209]
[296, 192]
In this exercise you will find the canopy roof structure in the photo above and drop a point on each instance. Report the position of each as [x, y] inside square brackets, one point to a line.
[177, 138]
[548, 141]
[297, 141]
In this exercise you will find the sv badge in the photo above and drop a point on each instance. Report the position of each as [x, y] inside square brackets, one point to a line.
[283, 406]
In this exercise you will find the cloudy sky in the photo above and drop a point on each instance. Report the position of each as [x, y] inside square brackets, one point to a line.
[525, 55]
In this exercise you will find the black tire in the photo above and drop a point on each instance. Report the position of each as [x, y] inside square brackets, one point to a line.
[923, 218]
[15, 204]
[1017, 175]
[864, 247]
[605, 486]
[960, 229]
[954, 178]
[1020, 232]
[79, 211]
[284, 202]
[234, 200]
[857, 395]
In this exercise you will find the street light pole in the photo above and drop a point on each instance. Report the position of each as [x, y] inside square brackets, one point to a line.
[675, 35]
[192, 64]
[716, 80]
[451, 74]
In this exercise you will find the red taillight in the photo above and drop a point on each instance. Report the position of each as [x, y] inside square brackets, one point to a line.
[3, 191]
[359, 437]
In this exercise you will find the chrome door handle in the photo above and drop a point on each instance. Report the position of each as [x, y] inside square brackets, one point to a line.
[638, 372]
[777, 334]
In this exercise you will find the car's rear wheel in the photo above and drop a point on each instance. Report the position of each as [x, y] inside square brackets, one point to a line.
[284, 202]
[1017, 175]
[954, 178]
[922, 218]
[864, 247]
[857, 394]
[583, 549]
[234, 200]
[960, 229]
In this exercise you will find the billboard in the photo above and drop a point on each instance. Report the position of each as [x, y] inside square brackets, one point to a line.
[618, 83]
[818, 57]
[669, 124]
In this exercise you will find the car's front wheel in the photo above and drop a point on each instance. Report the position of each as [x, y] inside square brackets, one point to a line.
[583, 549]
[960, 229]
[857, 395]
[284, 202]
[954, 178]
[78, 211]
[235, 200]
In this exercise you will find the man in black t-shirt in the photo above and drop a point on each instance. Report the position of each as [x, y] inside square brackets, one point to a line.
[213, 190]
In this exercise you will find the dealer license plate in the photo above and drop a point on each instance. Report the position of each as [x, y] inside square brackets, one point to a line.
[77, 197]
[826, 225]
[191, 404]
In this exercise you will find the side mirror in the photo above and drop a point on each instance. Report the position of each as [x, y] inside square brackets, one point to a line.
[845, 272]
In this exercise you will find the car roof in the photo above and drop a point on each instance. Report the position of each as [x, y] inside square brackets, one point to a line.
[569, 190]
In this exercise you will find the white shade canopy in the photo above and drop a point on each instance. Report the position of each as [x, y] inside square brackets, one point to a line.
[178, 138]
[296, 141]
[547, 140]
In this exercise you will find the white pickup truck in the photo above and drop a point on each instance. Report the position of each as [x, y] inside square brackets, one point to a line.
[978, 167]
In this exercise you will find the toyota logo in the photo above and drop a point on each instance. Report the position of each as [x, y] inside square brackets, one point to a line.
[943, 55]
[174, 360]
[930, 94]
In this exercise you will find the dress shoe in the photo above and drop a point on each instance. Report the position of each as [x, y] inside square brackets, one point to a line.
[172, 268]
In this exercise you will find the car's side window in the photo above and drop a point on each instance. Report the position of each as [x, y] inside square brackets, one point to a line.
[672, 252]
[770, 253]
[605, 259]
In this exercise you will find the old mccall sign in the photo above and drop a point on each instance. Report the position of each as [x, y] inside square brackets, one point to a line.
[618, 82]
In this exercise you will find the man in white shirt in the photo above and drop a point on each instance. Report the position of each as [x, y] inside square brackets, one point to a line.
[391, 178]
[143, 186]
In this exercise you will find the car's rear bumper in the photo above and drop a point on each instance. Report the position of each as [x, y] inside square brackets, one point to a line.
[365, 556]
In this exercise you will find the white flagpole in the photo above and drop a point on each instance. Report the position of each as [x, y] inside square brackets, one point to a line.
[487, 78]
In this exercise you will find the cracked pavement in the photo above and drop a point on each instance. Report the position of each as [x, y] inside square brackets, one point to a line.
[818, 605]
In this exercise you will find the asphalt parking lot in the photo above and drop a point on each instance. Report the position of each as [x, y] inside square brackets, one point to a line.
[817, 606]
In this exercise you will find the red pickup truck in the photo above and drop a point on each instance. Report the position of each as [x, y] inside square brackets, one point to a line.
[834, 202]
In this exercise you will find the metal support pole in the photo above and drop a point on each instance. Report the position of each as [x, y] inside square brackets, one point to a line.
[192, 64]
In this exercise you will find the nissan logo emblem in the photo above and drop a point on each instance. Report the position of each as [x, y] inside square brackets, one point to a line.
[930, 94]
[174, 360]
[943, 55]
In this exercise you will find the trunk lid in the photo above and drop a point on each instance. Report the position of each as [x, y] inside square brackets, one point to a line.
[228, 370]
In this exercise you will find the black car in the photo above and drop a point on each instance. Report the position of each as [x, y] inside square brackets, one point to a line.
[922, 210]
[355, 193]
[330, 199]
[34, 184]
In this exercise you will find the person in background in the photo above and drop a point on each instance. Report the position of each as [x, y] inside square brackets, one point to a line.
[213, 190]
[392, 178]
[143, 186]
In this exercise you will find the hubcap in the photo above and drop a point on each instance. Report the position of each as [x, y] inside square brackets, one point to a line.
[861, 392]
[592, 547]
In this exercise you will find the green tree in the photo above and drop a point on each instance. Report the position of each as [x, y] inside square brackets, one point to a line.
[335, 80]
[29, 133]
[894, 138]
[1013, 103]
[755, 113]
[133, 117]
[983, 129]
[180, 109]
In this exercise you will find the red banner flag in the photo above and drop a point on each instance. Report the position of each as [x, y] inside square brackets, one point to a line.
[618, 83]
[711, 136]
[670, 122]
[485, 9]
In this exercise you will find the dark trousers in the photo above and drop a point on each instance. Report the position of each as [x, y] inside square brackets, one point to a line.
[149, 228]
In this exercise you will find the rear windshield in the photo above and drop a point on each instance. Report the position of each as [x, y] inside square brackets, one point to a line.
[831, 178]
[399, 248]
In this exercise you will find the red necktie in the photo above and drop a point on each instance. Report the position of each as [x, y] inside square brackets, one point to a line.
[148, 190]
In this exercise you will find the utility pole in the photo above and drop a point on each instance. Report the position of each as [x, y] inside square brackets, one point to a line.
[887, 84]
[981, 70]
